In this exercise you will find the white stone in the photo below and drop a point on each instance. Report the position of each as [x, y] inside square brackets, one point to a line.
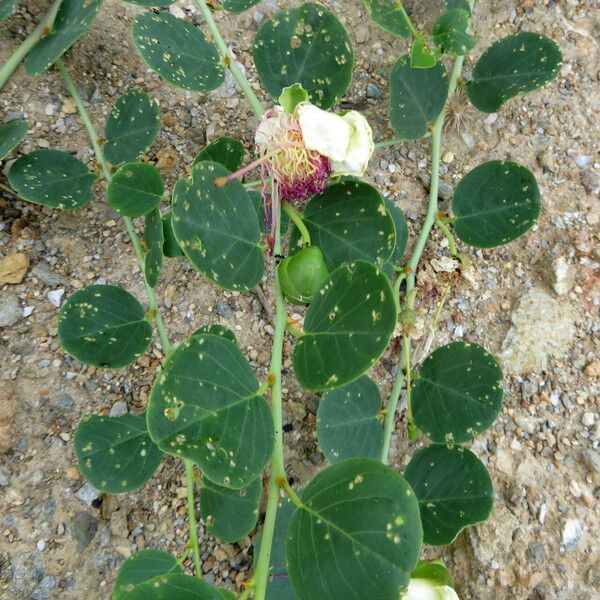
[564, 275]
[55, 297]
[572, 534]
[588, 419]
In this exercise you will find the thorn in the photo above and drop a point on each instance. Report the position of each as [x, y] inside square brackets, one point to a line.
[271, 379]
[220, 182]
[281, 482]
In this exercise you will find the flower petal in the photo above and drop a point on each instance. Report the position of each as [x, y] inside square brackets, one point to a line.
[325, 132]
[360, 147]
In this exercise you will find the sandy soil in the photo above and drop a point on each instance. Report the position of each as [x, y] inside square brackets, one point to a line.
[534, 303]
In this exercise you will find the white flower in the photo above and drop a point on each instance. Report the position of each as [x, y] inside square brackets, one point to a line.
[425, 589]
[347, 141]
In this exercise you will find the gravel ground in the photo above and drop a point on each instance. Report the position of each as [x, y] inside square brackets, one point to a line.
[533, 303]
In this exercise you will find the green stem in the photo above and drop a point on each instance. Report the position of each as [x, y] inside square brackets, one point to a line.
[448, 235]
[93, 135]
[246, 593]
[277, 466]
[400, 7]
[32, 39]
[413, 263]
[229, 60]
[189, 479]
[292, 494]
[296, 217]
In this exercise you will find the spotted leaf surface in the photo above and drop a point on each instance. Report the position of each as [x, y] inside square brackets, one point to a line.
[176, 586]
[458, 393]
[349, 221]
[217, 228]
[73, 19]
[495, 203]
[11, 135]
[154, 240]
[401, 227]
[278, 583]
[450, 32]
[143, 566]
[417, 97]
[217, 329]
[116, 454]
[453, 488]
[229, 514]
[171, 248]
[104, 326]
[388, 16]
[52, 178]
[205, 406]
[136, 189]
[306, 45]
[158, 3]
[339, 547]
[238, 6]
[349, 423]
[347, 327]
[131, 127]
[7, 8]
[225, 151]
[514, 65]
[178, 52]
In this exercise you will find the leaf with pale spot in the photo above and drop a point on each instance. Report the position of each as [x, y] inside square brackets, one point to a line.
[229, 514]
[176, 586]
[143, 566]
[495, 203]
[226, 151]
[417, 97]
[458, 393]
[349, 221]
[347, 327]
[116, 454]
[357, 534]
[11, 135]
[217, 228]
[450, 32]
[73, 19]
[154, 240]
[306, 45]
[136, 189]
[52, 178]
[171, 248]
[238, 6]
[217, 329]
[349, 421]
[178, 52]
[401, 237]
[453, 488]
[389, 16]
[131, 127]
[514, 65]
[206, 405]
[104, 326]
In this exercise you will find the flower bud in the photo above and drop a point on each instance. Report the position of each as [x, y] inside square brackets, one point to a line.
[302, 275]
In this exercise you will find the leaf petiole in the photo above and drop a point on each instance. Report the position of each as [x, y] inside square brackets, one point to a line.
[296, 217]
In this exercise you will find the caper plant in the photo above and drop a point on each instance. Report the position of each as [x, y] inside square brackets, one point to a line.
[337, 247]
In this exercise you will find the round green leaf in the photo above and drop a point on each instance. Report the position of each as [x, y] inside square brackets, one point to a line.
[278, 583]
[131, 128]
[401, 237]
[357, 534]
[306, 45]
[52, 178]
[224, 150]
[347, 327]
[142, 566]
[104, 326]
[495, 203]
[178, 52]
[176, 587]
[450, 32]
[349, 423]
[171, 248]
[11, 135]
[434, 570]
[230, 514]
[74, 19]
[217, 329]
[458, 393]
[238, 6]
[217, 228]
[514, 65]
[417, 97]
[136, 189]
[389, 16]
[464, 4]
[423, 55]
[7, 8]
[349, 221]
[453, 488]
[154, 240]
[206, 405]
[116, 454]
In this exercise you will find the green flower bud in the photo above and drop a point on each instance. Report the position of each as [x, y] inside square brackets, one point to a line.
[302, 275]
